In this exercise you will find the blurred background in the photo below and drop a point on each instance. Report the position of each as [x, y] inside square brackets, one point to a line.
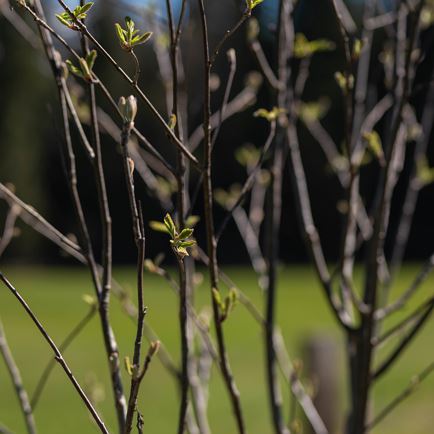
[31, 158]
[30, 141]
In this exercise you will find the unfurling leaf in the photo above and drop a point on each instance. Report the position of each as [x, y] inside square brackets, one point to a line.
[78, 14]
[182, 252]
[374, 145]
[130, 37]
[170, 225]
[90, 59]
[158, 226]
[179, 238]
[172, 121]
[186, 244]
[344, 81]
[185, 233]
[86, 66]
[217, 297]
[128, 366]
[251, 4]
[357, 49]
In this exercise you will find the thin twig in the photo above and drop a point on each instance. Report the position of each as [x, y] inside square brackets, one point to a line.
[249, 181]
[209, 222]
[414, 383]
[58, 355]
[15, 375]
[129, 80]
[9, 228]
[62, 348]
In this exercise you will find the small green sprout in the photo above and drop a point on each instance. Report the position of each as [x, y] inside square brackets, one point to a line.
[172, 121]
[251, 4]
[304, 48]
[79, 13]
[270, 116]
[357, 49]
[129, 37]
[84, 70]
[345, 81]
[373, 141]
[227, 305]
[425, 173]
[180, 239]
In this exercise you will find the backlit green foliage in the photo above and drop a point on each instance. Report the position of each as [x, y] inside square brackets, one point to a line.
[79, 14]
[130, 37]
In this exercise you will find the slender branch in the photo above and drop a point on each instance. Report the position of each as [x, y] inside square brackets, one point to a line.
[129, 80]
[401, 325]
[18, 23]
[265, 67]
[9, 228]
[248, 184]
[279, 348]
[229, 33]
[62, 348]
[311, 234]
[406, 295]
[244, 99]
[406, 340]
[137, 375]
[231, 55]
[4, 430]
[209, 222]
[14, 372]
[414, 186]
[58, 355]
[88, 148]
[29, 214]
[138, 232]
[414, 383]
[107, 258]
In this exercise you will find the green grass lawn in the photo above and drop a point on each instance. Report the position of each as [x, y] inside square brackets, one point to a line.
[55, 294]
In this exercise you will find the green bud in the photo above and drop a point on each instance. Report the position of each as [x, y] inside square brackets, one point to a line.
[128, 108]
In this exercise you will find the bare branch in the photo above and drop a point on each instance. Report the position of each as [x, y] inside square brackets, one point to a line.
[58, 355]
[15, 375]
[414, 384]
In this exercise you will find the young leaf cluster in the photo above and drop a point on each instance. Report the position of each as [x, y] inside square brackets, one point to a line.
[227, 304]
[138, 372]
[130, 37]
[304, 48]
[344, 81]
[373, 141]
[269, 115]
[80, 13]
[85, 67]
[251, 4]
[180, 239]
